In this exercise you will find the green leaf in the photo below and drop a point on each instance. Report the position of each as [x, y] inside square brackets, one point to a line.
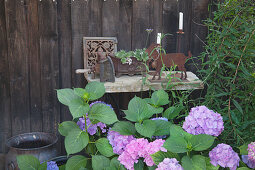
[104, 147]
[124, 128]
[102, 113]
[177, 131]
[139, 165]
[62, 167]
[100, 162]
[172, 112]
[76, 162]
[27, 162]
[80, 92]
[75, 141]
[201, 142]
[243, 168]
[65, 96]
[154, 110]
[197, 162]
[147, 128]
[95, 89]
[243, 149]
[43, 166]
[137, 110]
[159, 98]
[78, 108]
[238, 106]
[176, 144]
[210, 166]
[160, 156]
[162, 127]
[116, 165]
[65, 127]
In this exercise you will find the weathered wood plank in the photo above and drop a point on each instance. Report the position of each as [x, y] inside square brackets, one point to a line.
[49, 64]
[170, 25]
[95, 18]
[17, 34]
[140, 22]
[80, 12]
[34, 66]
[5, 121]
[125, 25]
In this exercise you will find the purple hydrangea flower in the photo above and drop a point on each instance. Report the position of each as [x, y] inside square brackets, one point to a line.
[224, 156]
[251, 151]
[91, 104]
[51, 165]
[118, 141]
[201, 120]
[250, 163]
[160, 118]
[169, 164]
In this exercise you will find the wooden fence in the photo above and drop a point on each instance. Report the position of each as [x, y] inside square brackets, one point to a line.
[41, 46]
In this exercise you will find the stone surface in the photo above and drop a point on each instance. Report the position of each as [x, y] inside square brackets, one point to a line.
[134, 83]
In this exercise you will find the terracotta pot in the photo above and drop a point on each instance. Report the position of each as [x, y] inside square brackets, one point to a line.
[137, 67]
[39, 144]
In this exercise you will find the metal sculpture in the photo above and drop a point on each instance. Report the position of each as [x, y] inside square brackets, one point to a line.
[170, 60]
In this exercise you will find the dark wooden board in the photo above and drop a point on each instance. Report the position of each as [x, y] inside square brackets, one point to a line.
[17, 33]
[170, 25]
[5, 121]
[49, 64]
[34, 67]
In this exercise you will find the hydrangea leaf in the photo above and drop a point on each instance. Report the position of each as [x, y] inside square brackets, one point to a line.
[100, 162]
[76, 162]
[43, 166]
[160, 156]
[65, 127]
[104, 147]
[177, 131]
[95, 90]
[102, 113]
[78, 108]
[172, 112]
[147, 128]
[210, 166]
[162, 127]
[176, 144]
[65, 96]
[243, 168]
[75, 141]
[137, 110]
[124, 128]
[201, 142]
[27, 162]
[159, 98]
[139, 165]
[197, 162]
[243, 149]
[80, 92]
[155, 110]
[115, 164]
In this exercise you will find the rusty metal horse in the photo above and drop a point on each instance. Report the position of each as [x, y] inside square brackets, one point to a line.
[170, 60]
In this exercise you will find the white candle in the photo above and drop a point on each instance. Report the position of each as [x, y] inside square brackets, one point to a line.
[158, 38]
[180, 21]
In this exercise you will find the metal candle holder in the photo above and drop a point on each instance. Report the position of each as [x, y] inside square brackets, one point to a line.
[180, 34]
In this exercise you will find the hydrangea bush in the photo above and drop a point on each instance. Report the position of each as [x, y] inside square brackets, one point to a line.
[147, 139]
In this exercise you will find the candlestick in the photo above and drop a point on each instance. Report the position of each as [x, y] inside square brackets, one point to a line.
[180, 21]
[158, 38]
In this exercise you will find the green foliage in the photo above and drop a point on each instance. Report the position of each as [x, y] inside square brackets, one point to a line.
[243, 149]
[65, 127]
[139, 165]
[147, 128]
[116, 165]
[95, 90]
[28, 162]
[162, 127]
[124, 128]
[229, 70]
[78, 108]
[139, 54]
[76, 162]
[100, 162]
[197, 162]
[159, 98]
[160, 156]
[104, 147]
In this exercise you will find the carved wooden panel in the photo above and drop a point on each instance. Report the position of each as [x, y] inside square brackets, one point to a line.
[92, 44]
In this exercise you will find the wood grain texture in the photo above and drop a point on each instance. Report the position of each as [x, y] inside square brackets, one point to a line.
[5, 121]
[17, 33]
[49, 65]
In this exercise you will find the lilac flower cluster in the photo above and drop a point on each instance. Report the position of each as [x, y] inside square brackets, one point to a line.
[224, 156]
[160, 118]
[169, 164]
[250, 163]
[51, 165]
[140, 148]
[119, 141]
[201, 120]
[92, 128]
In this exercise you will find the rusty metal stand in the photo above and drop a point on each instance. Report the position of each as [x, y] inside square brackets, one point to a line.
[180, 35]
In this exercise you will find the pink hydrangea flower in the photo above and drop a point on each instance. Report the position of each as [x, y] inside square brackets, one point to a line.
[118, 141]
[140, 148]
[251, 151]
[169, 164]
[201, 120]
[250, 163]
[224, 156]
